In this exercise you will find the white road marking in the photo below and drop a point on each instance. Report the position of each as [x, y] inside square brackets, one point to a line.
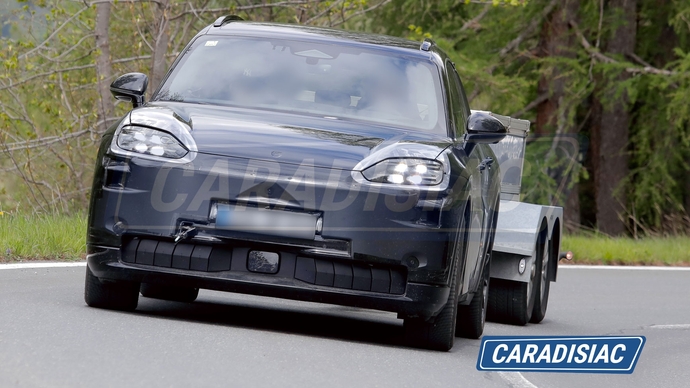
[41, 265]
[625, 267]
[681, 326]
[516, 380]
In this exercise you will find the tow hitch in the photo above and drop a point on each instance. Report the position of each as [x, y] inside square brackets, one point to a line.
[186, 232]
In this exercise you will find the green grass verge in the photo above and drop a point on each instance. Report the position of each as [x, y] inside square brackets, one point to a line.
[673, 251]
[42, 237]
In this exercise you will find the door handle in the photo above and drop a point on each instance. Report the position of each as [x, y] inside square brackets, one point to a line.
[486, 163]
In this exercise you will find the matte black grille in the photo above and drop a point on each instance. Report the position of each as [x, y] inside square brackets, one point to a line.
[217, 258]
[193, 257]
[355, 276]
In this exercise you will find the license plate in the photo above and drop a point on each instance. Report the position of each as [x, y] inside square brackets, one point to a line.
[280, 223]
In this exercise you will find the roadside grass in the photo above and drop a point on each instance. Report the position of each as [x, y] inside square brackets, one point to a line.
[62, 237]
[669, 251]
[42, 237]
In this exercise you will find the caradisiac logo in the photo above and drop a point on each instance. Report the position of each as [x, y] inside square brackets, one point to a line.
[606, 354]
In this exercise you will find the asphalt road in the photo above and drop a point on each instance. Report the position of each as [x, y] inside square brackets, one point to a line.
[50, 338]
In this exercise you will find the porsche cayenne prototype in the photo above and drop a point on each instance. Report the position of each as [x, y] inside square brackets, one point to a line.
[303, 163]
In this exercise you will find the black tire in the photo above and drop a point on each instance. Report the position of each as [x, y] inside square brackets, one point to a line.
[509, 302]
[437, 333]
[110, 295]
[543, 284]
[471, 318]
[175, 294]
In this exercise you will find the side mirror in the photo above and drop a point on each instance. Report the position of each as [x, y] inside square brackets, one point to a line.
[482, 128]
[130, 87]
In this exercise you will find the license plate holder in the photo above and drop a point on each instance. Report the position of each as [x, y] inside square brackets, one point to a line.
[279, 223]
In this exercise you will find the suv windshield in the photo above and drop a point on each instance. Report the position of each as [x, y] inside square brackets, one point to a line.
[328, 80]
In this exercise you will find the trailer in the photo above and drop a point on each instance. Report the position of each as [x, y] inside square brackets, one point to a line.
[526, 250]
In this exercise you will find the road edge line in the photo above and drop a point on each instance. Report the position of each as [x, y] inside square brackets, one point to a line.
[41, 265]
[625, 267]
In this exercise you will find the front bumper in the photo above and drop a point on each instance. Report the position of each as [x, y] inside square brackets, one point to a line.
[380, 290]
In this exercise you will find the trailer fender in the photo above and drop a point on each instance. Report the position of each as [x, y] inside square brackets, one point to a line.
[517, 235]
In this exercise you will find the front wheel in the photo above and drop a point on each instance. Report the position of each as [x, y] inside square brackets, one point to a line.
[110, 295]
[471, 318]
[437, 333]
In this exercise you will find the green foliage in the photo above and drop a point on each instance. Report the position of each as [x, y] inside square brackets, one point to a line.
[625, 251]
[52, 237]
[472, 50]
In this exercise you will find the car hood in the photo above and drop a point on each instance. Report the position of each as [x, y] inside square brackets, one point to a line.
[284, 137]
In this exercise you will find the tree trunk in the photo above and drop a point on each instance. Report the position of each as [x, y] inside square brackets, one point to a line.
[104, 69]
[159, 64]
[267, 13]
[557, 41]
[687, 199]
[612, 133]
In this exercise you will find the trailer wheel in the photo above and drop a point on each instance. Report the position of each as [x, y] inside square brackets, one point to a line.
[509, 302]
[543, 284]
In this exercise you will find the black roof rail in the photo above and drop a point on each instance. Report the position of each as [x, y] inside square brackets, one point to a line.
[226, 19]
[426, 44]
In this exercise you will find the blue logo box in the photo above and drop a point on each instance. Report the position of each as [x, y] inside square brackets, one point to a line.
[608, 354]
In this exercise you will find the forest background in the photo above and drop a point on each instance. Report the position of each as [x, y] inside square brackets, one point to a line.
[605, 83]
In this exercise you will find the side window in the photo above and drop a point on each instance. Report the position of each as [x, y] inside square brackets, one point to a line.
[462, 110]
[459, 106]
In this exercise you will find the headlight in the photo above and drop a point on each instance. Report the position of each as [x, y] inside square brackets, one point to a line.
[406, 171]
[150, 142]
